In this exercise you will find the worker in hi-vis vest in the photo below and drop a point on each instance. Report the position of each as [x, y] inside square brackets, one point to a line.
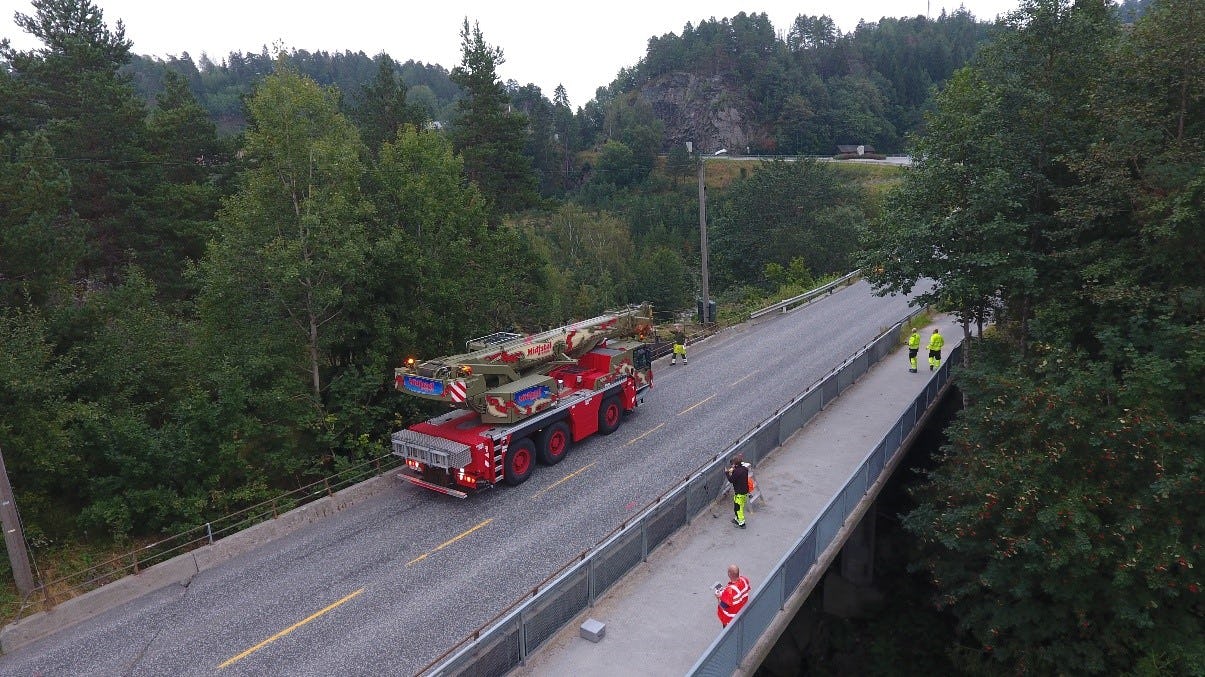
[913, 349]
[679, 345]
[732, 596]
[935, 344]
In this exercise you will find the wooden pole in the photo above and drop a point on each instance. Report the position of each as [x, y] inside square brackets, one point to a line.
[14, 537]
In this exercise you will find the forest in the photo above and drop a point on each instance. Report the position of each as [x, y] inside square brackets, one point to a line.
[209, 270]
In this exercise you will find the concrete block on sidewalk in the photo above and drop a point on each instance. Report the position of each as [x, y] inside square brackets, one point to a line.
[593, 630]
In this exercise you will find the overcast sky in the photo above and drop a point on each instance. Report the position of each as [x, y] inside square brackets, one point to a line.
[580, 45]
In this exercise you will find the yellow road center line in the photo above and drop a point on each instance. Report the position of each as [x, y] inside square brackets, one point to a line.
[695, 405]
[740, 379]
[650, 432]
[566, 478]
[448, 542]
[287, 630]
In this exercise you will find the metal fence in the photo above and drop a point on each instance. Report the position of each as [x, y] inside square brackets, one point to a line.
[734, 643]
[505, 642]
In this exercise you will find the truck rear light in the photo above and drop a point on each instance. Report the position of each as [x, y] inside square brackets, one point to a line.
[414, 464]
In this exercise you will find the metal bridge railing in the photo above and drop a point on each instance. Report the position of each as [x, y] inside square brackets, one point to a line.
[505, 642]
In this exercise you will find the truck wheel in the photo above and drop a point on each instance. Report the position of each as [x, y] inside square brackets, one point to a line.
[609, 416]
[520, 459]
[554, 443]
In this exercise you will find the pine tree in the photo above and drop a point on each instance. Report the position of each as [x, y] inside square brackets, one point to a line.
[71, 90]
[486, 133]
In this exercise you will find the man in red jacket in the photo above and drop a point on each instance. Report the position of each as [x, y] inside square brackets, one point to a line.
[732, 596]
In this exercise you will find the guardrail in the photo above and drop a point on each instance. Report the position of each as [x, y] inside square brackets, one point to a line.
[783, 306]
[788, 576]
[505, 642]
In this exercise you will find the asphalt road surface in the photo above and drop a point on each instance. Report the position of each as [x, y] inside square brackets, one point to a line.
[389, 585]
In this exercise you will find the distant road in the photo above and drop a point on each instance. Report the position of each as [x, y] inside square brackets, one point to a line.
[902, 160]
[387, 586]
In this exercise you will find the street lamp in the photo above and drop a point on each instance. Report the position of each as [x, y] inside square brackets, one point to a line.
[705, 314]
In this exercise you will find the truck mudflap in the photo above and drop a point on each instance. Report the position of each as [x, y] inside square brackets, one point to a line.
[417, 481]
[431, 450]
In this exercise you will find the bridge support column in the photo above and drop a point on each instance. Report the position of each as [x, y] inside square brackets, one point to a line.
[857, 556]
[848, 590]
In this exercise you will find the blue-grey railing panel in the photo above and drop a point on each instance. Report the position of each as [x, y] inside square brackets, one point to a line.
[878, 459]
[830, 389]
[615, 559]
[558, 604]
[801, 559]
[703, 489]
[665, 520]
[790, 419]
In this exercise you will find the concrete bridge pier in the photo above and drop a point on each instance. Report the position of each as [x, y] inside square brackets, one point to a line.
[849, 589]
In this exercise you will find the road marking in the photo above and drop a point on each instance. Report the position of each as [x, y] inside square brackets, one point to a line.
[741, 379]
[694, 405]
[287, 630]
[448, 542]
[566, 478]
[650, 432]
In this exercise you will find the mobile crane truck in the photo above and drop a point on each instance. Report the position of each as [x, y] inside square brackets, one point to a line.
[516, 398]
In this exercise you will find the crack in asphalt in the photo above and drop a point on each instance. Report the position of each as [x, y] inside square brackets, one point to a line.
[159, 628]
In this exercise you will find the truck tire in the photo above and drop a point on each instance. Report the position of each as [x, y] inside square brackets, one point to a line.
[610, 415]
[554, 443]
[520, 461]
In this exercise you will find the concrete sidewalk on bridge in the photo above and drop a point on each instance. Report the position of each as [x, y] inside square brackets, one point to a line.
[661, 617]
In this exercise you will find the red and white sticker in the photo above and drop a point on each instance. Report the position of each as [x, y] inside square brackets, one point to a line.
[457, 390]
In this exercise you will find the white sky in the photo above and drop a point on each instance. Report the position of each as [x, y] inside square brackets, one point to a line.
[579, 45]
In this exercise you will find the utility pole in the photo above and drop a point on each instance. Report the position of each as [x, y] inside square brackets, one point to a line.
[14, 538]
[704, 315]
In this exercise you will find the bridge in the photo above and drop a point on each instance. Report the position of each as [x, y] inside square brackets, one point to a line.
[815, 488]
[395, 582]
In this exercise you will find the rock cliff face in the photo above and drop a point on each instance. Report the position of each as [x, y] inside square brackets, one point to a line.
[708, 111]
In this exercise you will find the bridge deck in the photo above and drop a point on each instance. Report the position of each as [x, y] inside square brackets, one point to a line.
[660, 618]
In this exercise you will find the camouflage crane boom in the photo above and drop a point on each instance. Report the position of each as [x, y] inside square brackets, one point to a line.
[505, 367]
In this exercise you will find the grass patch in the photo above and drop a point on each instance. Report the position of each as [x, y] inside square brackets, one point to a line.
[921, 321]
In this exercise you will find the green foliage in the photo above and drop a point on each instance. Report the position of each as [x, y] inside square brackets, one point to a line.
[192, 167]
[784, 211]
[617, 164]
[382, 109]
[818, 87]
[488, 136]
[1063, 527]
[41, 242]
[71, 91]
[291, 251]
[595, 250]
[1063, 524]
